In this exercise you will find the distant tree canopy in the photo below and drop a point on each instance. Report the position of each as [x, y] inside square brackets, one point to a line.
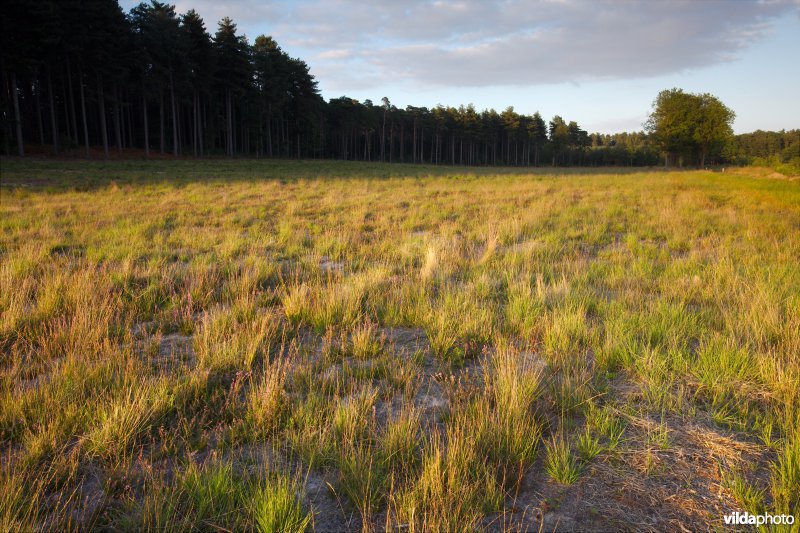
[689, 126]
[82, 74]
[767, 143]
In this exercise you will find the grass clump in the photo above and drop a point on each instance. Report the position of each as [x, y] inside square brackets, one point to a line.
[785, 477]
[560, 463]
[400, 441]
[453, 490]
[234, 338]
[276, 507]
[588, 446]
[506, 425]
[362, 477]
[443, 337]
[365, 342]
[607, 422]
[266, 399]
[750, 498]
[124, 420]
[216, 496]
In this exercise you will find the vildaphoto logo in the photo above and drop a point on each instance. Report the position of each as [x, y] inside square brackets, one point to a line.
[747, 519]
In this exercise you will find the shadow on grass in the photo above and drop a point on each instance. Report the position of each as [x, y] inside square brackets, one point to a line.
[84, 175]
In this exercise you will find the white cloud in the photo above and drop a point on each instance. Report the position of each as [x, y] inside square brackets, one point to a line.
[466, 43]
[340, 53]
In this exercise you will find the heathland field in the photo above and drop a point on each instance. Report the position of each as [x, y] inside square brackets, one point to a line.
[230, 345]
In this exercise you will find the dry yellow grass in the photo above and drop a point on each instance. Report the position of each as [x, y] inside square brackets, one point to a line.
[329, 345]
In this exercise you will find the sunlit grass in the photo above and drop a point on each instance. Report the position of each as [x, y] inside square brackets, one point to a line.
[188, 343]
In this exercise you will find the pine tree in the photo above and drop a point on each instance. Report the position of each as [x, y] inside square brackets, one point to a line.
[232, 74]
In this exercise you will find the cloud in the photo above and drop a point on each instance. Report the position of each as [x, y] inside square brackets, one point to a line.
[340, 53]
[352, 45]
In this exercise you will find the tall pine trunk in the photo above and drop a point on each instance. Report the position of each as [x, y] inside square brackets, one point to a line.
[146, 128]
[414, 152]
[17, 116]
[83, 111]
[175, 143]
[71, 94]
[128, 114]
[161, 119]
[117, 122]
[402, 142]
[65, 101]
[38, 104]
[195, 125]
[269, 133]
[229, 118]
[53, 116]
[200, 123]
[102, 108]
[383, 136]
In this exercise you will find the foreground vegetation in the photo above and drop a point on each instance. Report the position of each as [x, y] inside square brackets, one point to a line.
[286, 346]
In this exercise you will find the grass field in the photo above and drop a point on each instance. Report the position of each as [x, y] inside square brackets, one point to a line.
[334, 346]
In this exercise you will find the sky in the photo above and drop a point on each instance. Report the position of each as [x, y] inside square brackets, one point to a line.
[599, 62]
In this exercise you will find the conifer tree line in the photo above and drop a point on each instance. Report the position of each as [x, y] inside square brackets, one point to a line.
[82, 75]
